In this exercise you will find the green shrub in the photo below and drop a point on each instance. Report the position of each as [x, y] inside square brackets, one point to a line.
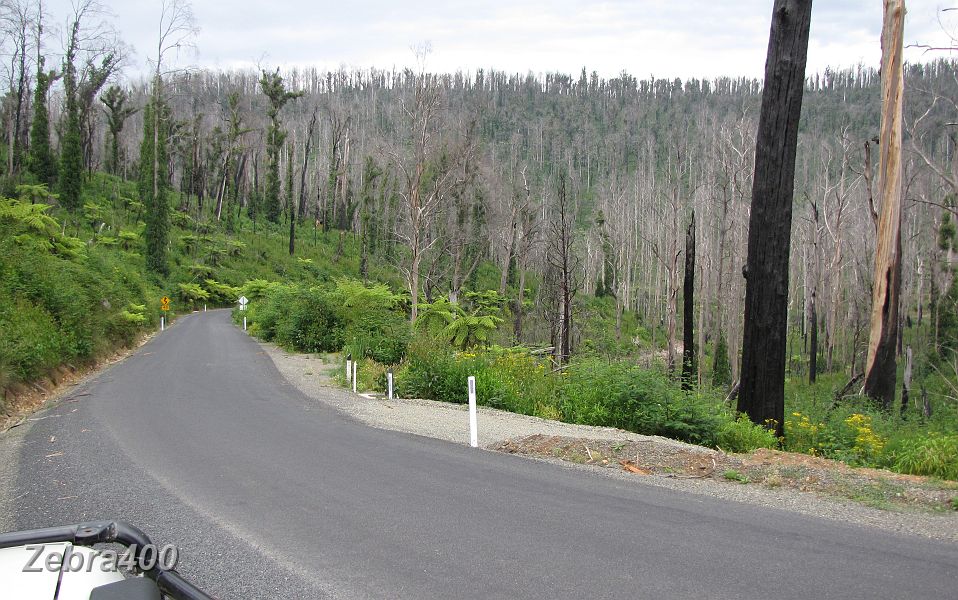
[431, 371]
[506, 378]
[30, 340]
[308, 321]
[619, 394]
[741, 435]
[381, 336]
[220, 293]
[935, 455]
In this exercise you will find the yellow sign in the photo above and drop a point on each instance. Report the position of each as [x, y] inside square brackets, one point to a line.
[165, 303]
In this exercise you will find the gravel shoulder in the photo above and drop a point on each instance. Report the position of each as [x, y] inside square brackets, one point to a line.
[646, 460]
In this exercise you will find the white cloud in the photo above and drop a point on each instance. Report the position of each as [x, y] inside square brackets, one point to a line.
[701, 38]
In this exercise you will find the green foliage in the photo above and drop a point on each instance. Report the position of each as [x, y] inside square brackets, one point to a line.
[619, 394]
[452, 324]
[257, 288]
[935, 455]
[70, 176]
[220, 293]
[192, 293]
[368, 320]
[741, 435]
[947, 234]
[380, 335]
[56, 304]
[947, 309]
[272, 85]
[34, 193]
[153, 185]
[32, 228]
[509, 379]
[40, 160]
[358, 297]
[115, 100]
[134, 314]
[128, 239]
[29, 340]
[592, 392]
[721, 369]
[733, 475]
[310, 323]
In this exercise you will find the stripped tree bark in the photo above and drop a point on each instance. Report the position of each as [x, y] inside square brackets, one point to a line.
[880, 368]
[762, 391]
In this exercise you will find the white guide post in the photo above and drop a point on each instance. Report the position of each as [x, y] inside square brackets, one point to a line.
[162, 323]
[355, 362]
[389, 383]
[244, 323]
[473, 419]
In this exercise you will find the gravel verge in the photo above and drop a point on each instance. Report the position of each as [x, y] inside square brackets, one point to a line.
[500, 430]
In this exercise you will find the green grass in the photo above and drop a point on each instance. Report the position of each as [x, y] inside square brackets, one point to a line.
[733, 475]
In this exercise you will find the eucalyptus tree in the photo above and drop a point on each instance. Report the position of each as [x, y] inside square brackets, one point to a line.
[17, 20]
[880, 366]
[176, 30]
[40, 161]
[95, 43]
[275, 90]
[115, 101]
[762, 389]
[427, 166]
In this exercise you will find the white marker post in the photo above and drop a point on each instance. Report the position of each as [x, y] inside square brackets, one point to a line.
[473, 419]
[355, 362]
[162, 323]
[204, 308]
[242, 301]
[389, 382]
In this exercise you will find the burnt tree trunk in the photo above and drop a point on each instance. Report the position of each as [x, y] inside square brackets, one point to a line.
[762, 390]
[880, 367]
[688, 309]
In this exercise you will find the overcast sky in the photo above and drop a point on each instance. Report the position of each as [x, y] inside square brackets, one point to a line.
[664, 38]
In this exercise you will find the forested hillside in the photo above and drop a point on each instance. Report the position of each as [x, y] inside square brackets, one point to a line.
[553, 211]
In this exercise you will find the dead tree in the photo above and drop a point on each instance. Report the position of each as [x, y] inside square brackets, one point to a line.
[762, 390]
[688, 308]
[880, 368]
[302, 182]
[561, 258]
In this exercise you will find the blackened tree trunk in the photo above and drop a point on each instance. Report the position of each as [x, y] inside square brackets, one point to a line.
[560, 257]
[762, 390]
[880, 367]
[688, 309]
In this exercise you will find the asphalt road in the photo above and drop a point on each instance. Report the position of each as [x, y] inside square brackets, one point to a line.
[197, 439]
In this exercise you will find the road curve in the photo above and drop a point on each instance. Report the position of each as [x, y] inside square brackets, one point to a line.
[197, 439]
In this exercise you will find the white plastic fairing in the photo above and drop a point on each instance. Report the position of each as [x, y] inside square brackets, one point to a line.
[27, 575]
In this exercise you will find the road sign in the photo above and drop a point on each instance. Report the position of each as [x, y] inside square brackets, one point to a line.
[165, 303]
[243, 301]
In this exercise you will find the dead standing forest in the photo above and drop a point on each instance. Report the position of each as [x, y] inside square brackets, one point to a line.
[585, 204]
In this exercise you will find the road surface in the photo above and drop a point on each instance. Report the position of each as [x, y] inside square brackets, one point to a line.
[197, 439]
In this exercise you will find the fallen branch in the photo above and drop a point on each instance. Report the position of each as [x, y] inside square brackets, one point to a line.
[842, 393]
